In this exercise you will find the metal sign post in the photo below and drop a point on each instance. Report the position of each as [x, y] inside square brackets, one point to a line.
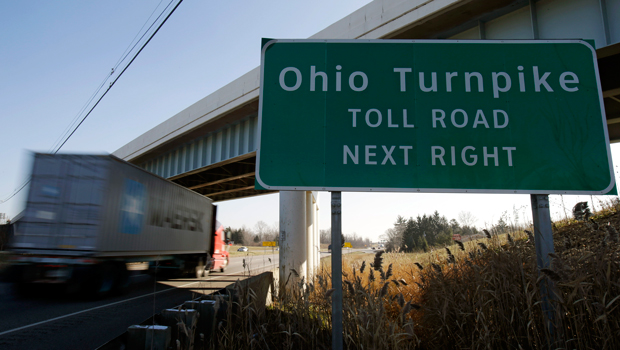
[543, 236]
[336, 270]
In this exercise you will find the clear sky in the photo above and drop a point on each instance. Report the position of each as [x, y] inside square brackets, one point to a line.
[56, 53]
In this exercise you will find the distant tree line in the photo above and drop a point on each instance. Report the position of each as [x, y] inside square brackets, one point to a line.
[355, 240]
[423, 232]
[426, 231]
[261, 232]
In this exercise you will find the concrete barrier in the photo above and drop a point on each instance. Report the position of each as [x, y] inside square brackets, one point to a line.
[262, 287]
[142, 337]
[207, 310]
[182, 323]
[200, 317]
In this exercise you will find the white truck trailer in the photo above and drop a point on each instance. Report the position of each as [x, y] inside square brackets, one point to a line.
[87, 216]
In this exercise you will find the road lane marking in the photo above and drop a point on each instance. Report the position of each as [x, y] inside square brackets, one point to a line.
[91, 309]
[103, 306]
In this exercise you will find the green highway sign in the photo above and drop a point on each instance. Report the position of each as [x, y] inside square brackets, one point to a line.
[432, 116]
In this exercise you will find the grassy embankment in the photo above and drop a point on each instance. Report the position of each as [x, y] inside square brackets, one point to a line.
[483, 295]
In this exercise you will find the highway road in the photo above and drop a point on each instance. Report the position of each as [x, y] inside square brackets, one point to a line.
[51, 320]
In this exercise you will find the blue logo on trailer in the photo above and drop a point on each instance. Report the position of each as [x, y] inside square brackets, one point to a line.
[132, 208]
[50, 191]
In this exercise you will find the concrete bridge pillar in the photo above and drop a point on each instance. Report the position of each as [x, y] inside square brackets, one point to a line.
[293, 243]
[317, 235]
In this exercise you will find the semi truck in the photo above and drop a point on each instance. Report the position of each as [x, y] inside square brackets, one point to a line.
[88, 216]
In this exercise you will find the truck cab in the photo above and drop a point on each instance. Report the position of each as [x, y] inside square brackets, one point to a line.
[219, 255]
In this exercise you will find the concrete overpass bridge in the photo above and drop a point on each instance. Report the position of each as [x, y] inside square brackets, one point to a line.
[210, 147]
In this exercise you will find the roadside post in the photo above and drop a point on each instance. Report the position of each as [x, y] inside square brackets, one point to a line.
[543, 237]
[433, 116]
[337, 270]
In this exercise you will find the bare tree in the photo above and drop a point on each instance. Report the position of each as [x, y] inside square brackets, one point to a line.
[326, 236]
[394, 237]
[466, 218]
[272, 232]
[248, 235]
[261, 229]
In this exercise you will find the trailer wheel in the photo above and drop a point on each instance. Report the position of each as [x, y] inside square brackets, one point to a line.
[24, 290]
[13, 273]
[101, 282]
[73, 286]
[121, 278]
[201, 270]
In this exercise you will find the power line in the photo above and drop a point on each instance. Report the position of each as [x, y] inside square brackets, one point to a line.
[107, 90]
[128, 49]
[15, 192]
[77, 116]
[121, 59]
[120, 74]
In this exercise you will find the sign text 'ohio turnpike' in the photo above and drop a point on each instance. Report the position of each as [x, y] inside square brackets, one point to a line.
[432, 116]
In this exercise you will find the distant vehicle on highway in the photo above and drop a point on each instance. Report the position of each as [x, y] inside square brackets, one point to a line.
[242, 249]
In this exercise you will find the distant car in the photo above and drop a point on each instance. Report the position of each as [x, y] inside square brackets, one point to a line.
[242, 249]
[374, 248]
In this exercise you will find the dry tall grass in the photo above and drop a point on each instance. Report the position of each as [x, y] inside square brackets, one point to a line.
[479, 295]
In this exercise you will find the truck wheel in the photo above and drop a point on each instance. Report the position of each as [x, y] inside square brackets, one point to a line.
[24, 290]
[73, 286]
[13, 273]
[224, 265]
[121, 279]
[201, 271]
[101, 281]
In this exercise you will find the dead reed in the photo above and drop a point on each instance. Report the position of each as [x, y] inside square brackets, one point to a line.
[493, 299]
[481, 294]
